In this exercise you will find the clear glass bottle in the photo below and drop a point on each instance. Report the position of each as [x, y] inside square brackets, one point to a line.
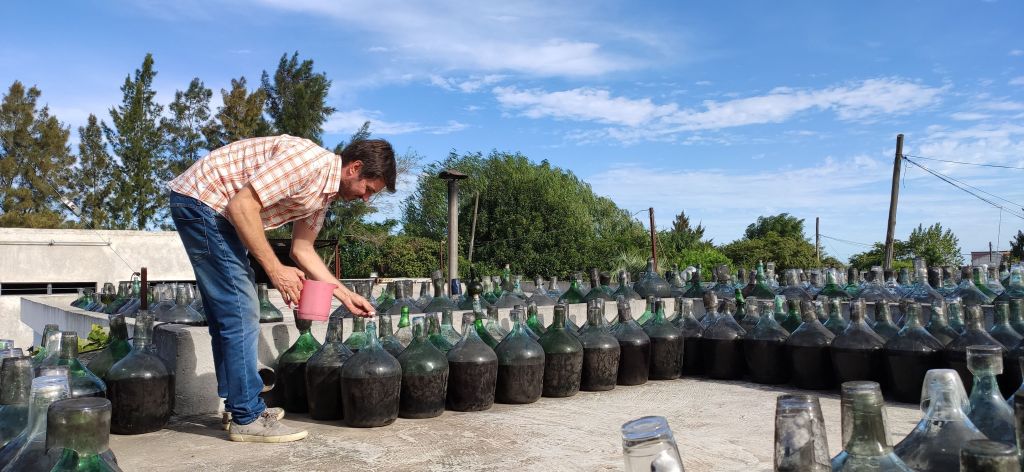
[440, 301]
[118, 347]
[472, 370]
[533, 320]
[563, 358]
[954, 313]
[182, 312]
[648, 313]
[480, 325]
[651, 283]
[800, 441]
[857, 352]
[1017, 314]
[934, 444]
[424, 376]
[835, 321]
[402, 300]
[874, 291]
[291, 369]
[554, 292]
[140, 386]
[387, 336]
[992, 281]
[78, 431]
[83, 382]
[634, 347]
[989, 411]
[49, 345]
[648, 445]
[493, 326]
[983, 455]
[764, 349]
[867, 445]
[909, 356]
[323, 373]
[1014, 289]
[520, 365]
[448, 328]
[938, 324]
[751, 314]
[15, 386]
[597, 289]
[268, 312]
[955, 353]
[883, 324]
[792, 289]
[27, 450]
[1001, 329]
[809, 355]
[625, 289]
[969, 291]
[919, 291]
[371, 382]
[434, 334]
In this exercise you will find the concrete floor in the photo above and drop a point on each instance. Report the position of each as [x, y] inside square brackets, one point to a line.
[719, 426]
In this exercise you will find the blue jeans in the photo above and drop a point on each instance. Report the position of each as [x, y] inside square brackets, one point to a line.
[226, 281]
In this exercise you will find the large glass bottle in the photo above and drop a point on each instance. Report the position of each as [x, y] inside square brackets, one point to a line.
[357, 340]
[404, 332]
[27, 450]
[695, 286]
[448, 328]
[479, 324]
[597, 289]
[648, 445]
[722, 349]
[182, 312]
[123, 289]
[874, 290]
[440, 301]
[140, 387]
[601, 353]
[424, 376]
[323, 373]
[634, 347]
[832, 289]
[652, 283]
[934, 444]
[968, 290]
[955, 353]
[388, 340]
[49, 345]
[852, 286]
[1001, 329]
[938, 324]
[666, 345]
[648, 313]
[919, 291]
[386, 297]
[434, 334]
[983, 455]
[992, 281]
[291, 369]
[78, 432]
[857, 352]
[1017, 314]
[883, 324]
[759, 287]
[800, 442]
[692, 331]
[493, 327]
[371, 382]
[793, 315]
[909, 356]
[114, 351]
[809, 356]
[268, 312]
[533, 321]
[867, 445]
[472, 370]
[764, 349]
[402, 300]
[954, 312]
[553, 290]
[723, 287]
[625, 289]
[792, 289]
[574, 294]
[83, 382]
[563, 358]
[520, 365]
[540, 294]
[750, 314]
[15, 386]
[835, 321]
[1014, 289]
[989, 411]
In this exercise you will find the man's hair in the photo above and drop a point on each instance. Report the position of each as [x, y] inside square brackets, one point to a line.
[378, 160]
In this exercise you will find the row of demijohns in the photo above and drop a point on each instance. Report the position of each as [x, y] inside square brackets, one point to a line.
[178, 303]
[56, 413]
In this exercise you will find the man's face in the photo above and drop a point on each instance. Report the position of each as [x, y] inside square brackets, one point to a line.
[354, 187]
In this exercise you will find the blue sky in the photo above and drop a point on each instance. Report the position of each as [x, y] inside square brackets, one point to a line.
[727, 110]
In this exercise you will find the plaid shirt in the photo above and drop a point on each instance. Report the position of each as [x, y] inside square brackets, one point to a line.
[294, 178]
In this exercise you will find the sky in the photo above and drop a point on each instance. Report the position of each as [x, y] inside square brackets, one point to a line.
[724, 110]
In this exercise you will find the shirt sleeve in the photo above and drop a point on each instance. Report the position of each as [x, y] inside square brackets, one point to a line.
[294, 163]
[315, 221]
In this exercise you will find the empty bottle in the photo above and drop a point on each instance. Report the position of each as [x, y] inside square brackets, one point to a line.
[357, 339]
[402, 300]
[268, 312]
[955, 353]
[472, 370]
[634, 347]
[651, 283]
[27, 450]
[49, 346]
[424, 377]
[934, 444]
[1014, 289]
[493, 327]
[625, 289]
[832, 289]
[792, 289]
[371, 382]
[800, 442]
[1001, 329]
[866, 442]
[982, 455]
[883, 324]
[440, 301]
[448, 328]
[919, 291]
[404, 332]
[989, 411]
[78, 431]
[182, 311]
[759, 287]
[648, 445]
[388, 340]
[857, 352]
[954, 313]
[970, 291]
[520, 365]
[692, 331]
[909, 356]
[574, 294]
[938, 324]
[140, 387]
[480, 325]
[291, 369]
[323, 374]
[835, 321]
[114, 351]
[695, 287]
[809, 356]
[83, 382]
[764, 349]
[793, 315]
[15, 386]
[563, 358]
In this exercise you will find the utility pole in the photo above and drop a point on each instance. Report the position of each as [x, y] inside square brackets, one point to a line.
[654, 242]
[990, 252]
[817, 239]
[472, 231]
[893, 199]
[453, 177]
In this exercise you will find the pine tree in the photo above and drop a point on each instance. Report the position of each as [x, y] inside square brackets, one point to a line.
[95, 176]
[186, 127]
[137, 141]
[240, 117]
[297, 98]
[35, 162]
[1017, 246]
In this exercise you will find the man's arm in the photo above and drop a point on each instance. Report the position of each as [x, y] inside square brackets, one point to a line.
[304, 254]
[243, 211]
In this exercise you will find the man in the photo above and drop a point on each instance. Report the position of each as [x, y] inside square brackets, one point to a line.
[221, 207]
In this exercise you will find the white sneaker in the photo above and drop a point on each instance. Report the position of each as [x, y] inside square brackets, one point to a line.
[266, 429]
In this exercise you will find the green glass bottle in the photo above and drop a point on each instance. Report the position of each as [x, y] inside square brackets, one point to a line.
[79, 428]
[123, 289]
[563, 358]
[954, 312]
[955, 353]
[533, 320]
[493, 326]
[780, 309]
[386, 298]
[573, 294]
[424, 377]
[634, 347]
[357, 340]
[371, 382]
[978, 283]
[404, 332]
[983, 455]
[835, 322]
[387, 336]
[852, 286]
[268, 312]
[989, 411]
[832, 289]
[323, 373]
[113, 352]
[1014, 289]
[938, 324]
[1001, 329]
[909, 356]
[140, 386]
[883, 324]
[49, 346]
[448, 328]
[434, 334]
[695, 288]
[651, 283]
[866, 442]
[598, 289]
[15, 385]
[625, 289]
[291, 369]
[480, 324]
[472, 370]
[83, 382]
[520, 365]
[792, 320]
[648, 313]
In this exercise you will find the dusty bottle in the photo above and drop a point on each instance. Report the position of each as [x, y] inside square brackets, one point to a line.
[764, 349]
[27, 450]
[857, 352]
[1001, 329]
[938, 324]
[520, 365]
[291, 369]
[553, 291]
[695, 287]
[955, 353]
[651, 283]
[983, 455]
[989, 411]
[492, 325]
[15, 386]
[83, 382]
[113, 352]
[780, 313]
[909, 356]
[800, 442]
[323, 374]
[809, 356]
[574, 294]
[625, 289]
[563, 358]
[370, 384]
[424, 377]
[970, 291]
[597, 289]
[404, 331]
[540, 294]
[832, 289]
[954, 312]
[1014, 289]
[440, 301]
[357, 339]
[472, 370]
[792, 289]
[866, 442]
[759, 287]
[49, 345]
[666, 346]
[835, 321]
[793, 315]
[722, 349]
[402, 300]
[883, 324]
[434, 334]
[387, 337]
[648, 313]
[1017, 314]
[533, 320]
[600, 353]
[140, 387]
[852, 282]
[448, 328]
[182, 311]
[268, 312]
[692, 331]
[934, 444]
[634, 347]
[480, 325]
[750, 315]
[875, 291]
[78, 431]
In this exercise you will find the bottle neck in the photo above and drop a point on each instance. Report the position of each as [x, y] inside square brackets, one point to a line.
[1002, 315]
[558, 322]
[118, 328]
[868, 435]
[334, 330]
[264, 294]
[418, 333]
[69, 345]
[143, 331]
[446, 318]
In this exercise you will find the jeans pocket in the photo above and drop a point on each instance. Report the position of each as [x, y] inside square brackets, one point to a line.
[193, 234]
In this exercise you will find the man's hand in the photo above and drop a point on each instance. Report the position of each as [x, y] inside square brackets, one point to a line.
[356, 304]
[288, 281]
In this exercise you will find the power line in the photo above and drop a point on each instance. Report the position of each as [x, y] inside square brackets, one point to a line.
[1018, 205]
[950, 181]
[847, 241]
[978, 164]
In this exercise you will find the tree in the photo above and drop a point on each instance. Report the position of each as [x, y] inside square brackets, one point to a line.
[1017, 246]
[297, 98]
[783, 224]
[187, 126]
[137, 141]
[95, 176]
[240, 117]
[681, 238]
[935, 246]
[786, 252]
[35, 162]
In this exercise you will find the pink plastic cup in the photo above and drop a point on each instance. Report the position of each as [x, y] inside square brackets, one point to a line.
[315, 300]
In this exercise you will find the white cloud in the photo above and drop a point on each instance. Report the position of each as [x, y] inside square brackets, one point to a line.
[1017, 52]
[350, 121]
[468, 85]
[968, 116]
[1002, 106]
[1017, 80]
[584, 104]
